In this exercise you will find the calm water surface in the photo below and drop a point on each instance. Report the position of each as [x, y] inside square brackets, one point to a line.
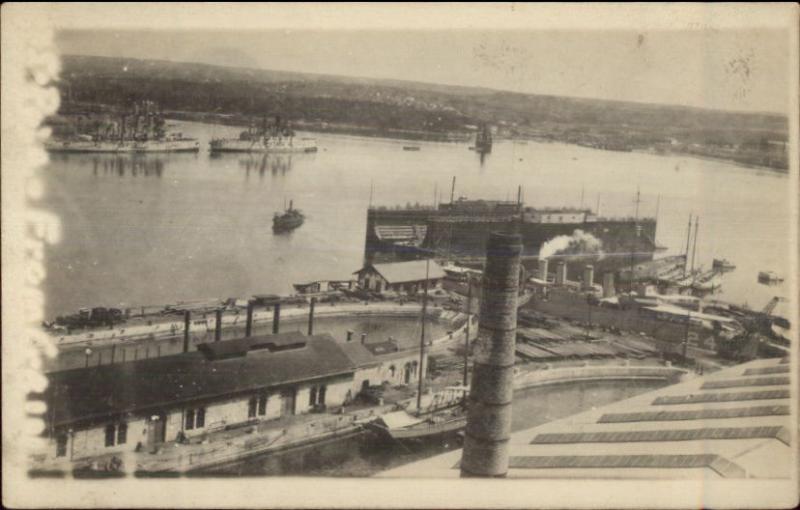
[154, 229]
[364, 456]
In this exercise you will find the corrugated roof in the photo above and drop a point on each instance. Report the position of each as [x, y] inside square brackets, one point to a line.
[627, 436]
[721, 397]
[781, 369]
[720, 465]
[695, 414]
[107, 390]
[410, 271]
[737, 383]
[358, 354]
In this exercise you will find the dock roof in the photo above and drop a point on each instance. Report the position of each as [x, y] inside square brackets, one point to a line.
[106, 391]
[410, 271]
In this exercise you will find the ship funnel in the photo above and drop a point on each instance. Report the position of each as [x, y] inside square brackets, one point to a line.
[561, 273]
[543, 269]
[608, 285]
[588, 276]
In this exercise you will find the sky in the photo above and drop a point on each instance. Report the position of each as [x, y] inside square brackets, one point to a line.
[730, 69]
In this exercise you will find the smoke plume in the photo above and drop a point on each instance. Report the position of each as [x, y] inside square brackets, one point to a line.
[579, 243]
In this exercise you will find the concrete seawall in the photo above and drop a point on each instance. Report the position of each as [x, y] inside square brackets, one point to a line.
[530, 379]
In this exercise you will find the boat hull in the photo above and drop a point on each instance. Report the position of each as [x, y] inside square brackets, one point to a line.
[264, 147]
[183, 145]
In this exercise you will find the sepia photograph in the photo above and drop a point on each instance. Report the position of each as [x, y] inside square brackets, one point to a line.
[400, 255]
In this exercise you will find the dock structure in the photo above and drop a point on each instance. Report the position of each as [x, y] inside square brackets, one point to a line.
[732, 424]
[489, 416]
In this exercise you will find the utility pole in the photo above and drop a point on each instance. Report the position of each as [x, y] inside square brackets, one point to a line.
[453, 190]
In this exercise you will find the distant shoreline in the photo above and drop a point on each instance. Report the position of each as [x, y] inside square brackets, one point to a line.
[465, 137]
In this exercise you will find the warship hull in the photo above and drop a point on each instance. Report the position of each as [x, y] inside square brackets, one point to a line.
[264, 147]
[183, 145]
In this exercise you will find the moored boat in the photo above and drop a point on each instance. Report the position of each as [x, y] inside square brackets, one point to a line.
[277, 139]
[141, 130]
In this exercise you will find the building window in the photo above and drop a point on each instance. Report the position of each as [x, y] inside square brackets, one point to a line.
[195, 418]
[110, 433]
[391, 371]
[251, 407]
[312, 396]
[122, 433]
[322, 390]
[61, 445]
[262, 405]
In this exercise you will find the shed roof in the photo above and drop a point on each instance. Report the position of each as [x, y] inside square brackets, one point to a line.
[109, 390]
[410, 271]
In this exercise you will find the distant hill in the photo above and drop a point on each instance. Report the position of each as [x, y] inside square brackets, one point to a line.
[393, 105]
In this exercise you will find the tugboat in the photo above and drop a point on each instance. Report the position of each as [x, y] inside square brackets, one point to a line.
[279, 138]
[288, 221]
[723, 265]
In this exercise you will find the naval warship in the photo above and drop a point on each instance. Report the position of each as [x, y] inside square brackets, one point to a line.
[140, 130]
[278, 138]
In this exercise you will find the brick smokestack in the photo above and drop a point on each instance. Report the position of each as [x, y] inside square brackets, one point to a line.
[187, 321]
[311, 316]
[561, 273]
[489, 412]
[218, 326]
[248, 328]
[276, 319]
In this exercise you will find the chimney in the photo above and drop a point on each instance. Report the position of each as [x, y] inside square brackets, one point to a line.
[489, 411]
[187, 319]
[350, 336]
[218, 326]
[248, 330]
[561, 273]
[276, 319]
[311, 316]
[588, 276]
[543, 269]
[608, 285]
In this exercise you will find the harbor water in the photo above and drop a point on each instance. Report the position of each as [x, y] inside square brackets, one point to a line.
[363, 455]
[151, 229]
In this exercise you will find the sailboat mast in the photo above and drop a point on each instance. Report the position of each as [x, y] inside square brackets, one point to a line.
[688, 238]
[466, 338]
[694, 247]
[633, 249]
[422, 336]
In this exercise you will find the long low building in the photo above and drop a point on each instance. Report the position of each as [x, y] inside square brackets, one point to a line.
[733, 424]
[143, 404]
